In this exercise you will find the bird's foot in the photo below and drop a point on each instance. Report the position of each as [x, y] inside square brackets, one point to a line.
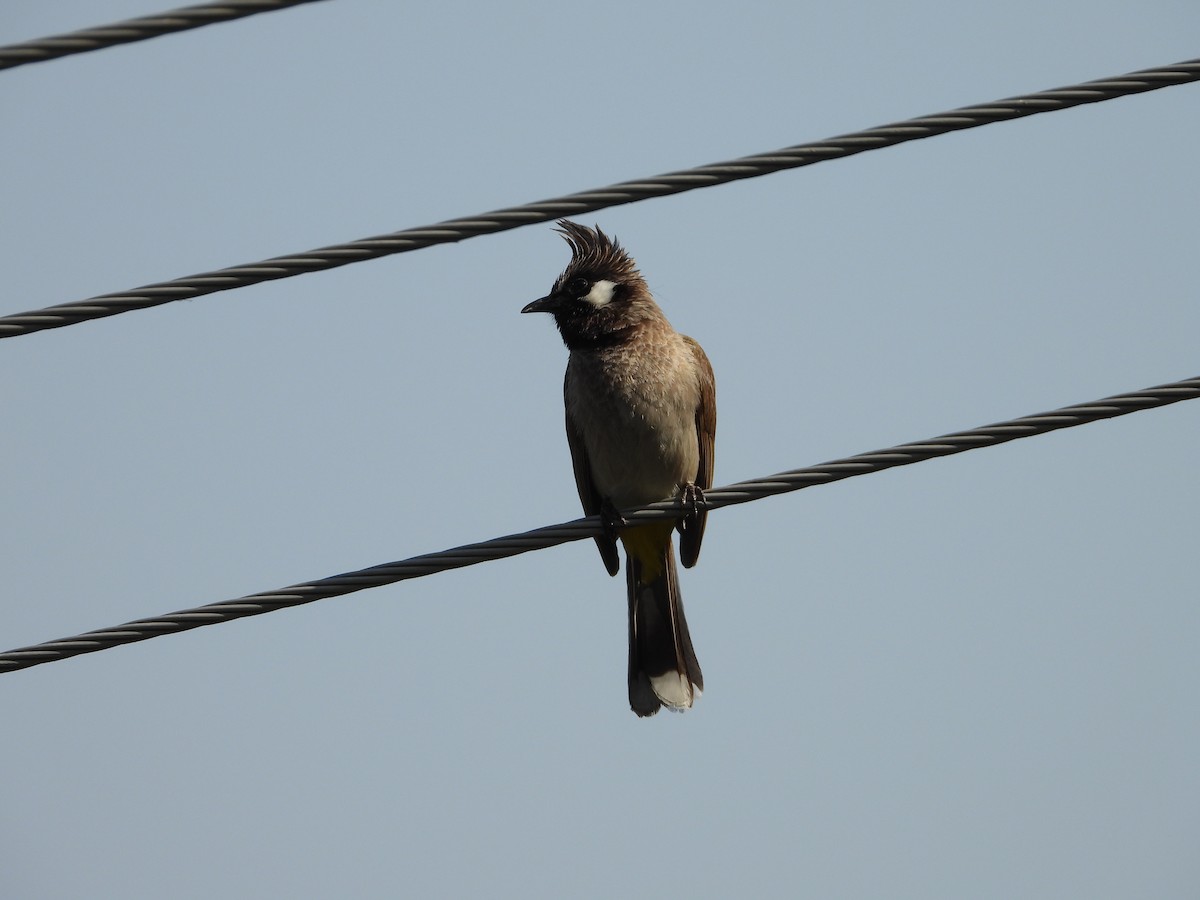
[611, 520]
[692, 499]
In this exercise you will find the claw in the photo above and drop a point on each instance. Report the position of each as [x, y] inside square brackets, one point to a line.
[691, 499]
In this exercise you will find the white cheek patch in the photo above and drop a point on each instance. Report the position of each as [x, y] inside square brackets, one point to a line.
[601, 294]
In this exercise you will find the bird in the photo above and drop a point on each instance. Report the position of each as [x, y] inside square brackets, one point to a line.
[641, 421]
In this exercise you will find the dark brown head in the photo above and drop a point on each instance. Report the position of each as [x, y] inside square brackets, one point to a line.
[600, 299]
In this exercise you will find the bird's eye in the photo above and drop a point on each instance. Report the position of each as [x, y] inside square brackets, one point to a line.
[577, 287]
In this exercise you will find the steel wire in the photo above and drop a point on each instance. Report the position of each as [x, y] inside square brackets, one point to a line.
[453, 230]
[139, 29]
[552, 535]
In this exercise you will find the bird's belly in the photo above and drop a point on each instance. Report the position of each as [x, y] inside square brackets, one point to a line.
[641, 448]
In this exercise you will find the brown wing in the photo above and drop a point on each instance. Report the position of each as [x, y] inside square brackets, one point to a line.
[691, 530]
[589, 496]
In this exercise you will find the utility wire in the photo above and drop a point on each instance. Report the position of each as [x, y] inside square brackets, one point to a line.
[552, 535]
[138, 29]
[589, 201]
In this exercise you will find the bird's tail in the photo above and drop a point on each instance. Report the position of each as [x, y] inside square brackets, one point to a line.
[663, 670]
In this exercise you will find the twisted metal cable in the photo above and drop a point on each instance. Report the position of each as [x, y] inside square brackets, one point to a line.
[138, 29]
[552, 535]
[589, 201]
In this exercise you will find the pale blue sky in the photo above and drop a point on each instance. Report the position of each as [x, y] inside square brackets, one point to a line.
[973, 677]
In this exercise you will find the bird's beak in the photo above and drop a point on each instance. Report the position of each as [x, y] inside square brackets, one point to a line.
[548, 304]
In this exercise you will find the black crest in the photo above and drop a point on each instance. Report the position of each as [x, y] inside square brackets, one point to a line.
[595, 254]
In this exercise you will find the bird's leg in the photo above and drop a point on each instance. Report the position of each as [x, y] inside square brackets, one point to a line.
[611, 519]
